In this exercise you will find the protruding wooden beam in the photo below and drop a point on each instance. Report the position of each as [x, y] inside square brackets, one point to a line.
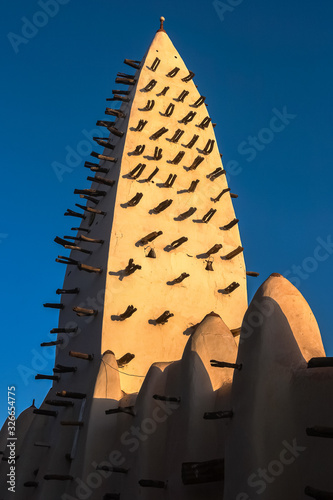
[58, 477]
[129, 410]
[53, 343]
[83, 311]
[91, 210]
[168, 399]
[193, 186]
[161, 320]
[177, 159]
[150, 237]
[205, 123]
[209, 147]
[253, 274]
[318, 494]
[71, 395]
[188, 118]
[131, 267]
[169, 110]
[188, 77]
[229, 289]
[41, 444]
[173, 72]
[74, 214]
[105, 123]
[323, 432]
[125, 81]
[230, 225]
[220, 195]
[54, 306]
[216, 173]
[66, 244]
[159, 133]
[132, 63]
[101, 180]
[103, 157]
[138, 150]
[121, 92]
[182, 96]
[149, 106]
[199, 102]
[69, 291]
[177, 135]
[150, 85]
[93, 192]
[81, 228]
[64, 369]
[198, 160]
[157, 153]
[216, 415]
[233, 254]
[85, 239]
[177, 243]
[46, 377]
[163, 92]
[47, 413]
[216, 248]
[135, 200]
[321, 362]
[121, 98]
[186, 214]
[62, 259]
[155, 64]
[203, 472]
[207, 217]
[124, 360]
[89, 269]
[162, 206]
[128, 313]
[149, 483]
[114, 112]
[64, 330]
[81, 355]
[137, 171]
[223, 364]
[152, 175]
[140, 126]
[179, 279]
[236, 331]
[170, 181]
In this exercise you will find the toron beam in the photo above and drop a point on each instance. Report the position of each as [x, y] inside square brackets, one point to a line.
[117, 97]
[164, 91]
[321, 362]
[202, 472]
[182, 96]
[230, 225]
[188, 77]
[318, 494]
[180, 278]
[135, 200]
[323, 432]
[169, 399]
[214, 249]
[236, 331]
[105, 123]
[169, 110]
[90, 209]
[64, 369]
[124, 360]
[206, 218]
[94, 167]
[149, 106]
[173, 72]
[216, 415]
[128, 313]
[129, 410]
[71, 395]
[161, 320]
[133, 64]
[104, 143]
[137, 171]
[149, 483]
[113, 112]
[196, 162]
[150, 237]
[227, 190]
[101, 180]
[155, 64]
[47, 413]
[74, 214]
[54, 306]
[214, 175]
[193, 186]
[152, 175]
[177, 135]
[177, 159]
[103, 157]
[53, 343]
[82, 311]
[159, 133]
[125, 75]
[85, 239]
[222, 364]
[149, 86]
[93, 192]
[138, 150]
[89, 269]
[157, 153]
[125, 81]
[253, 274]
[141, 125]
[209, 147]
[199, 102]
[188, 118]
[81, 355]
[170, 181]
[177, 243]
[162, 206]
[67, 260]
[121, 92]
[205, 122]
[230, 288]
[186, 214]
[233, 254]
[46, 377]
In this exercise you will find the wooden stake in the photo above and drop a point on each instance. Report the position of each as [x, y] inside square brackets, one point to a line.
[162, 206]
[56, 402]
[51, 344]
[196, 162]
[230, 225]
[214, 249]
[113, 112]
[173, 72]
[138, 150]
[150, 237]
[182, 96]
[164, 91]
[54, 306]
[169, 110]
[188, 118]
[229, 289]
[169, 399]
[128, 313]
[133, 64]
[64, 330]
[187, 214]
[220, 195]
[94, 167]
[253, 274]
[135, 200]
[81, 355]
[149, 106]
[205, 123]
[199, 102]
[101, 180]
[89, 269]
[177, 159]
[159, 133]
[91, 210]
[206, 218]
[137, 171]
[188, 77]
[233, 254]
[149, 86]
[155, 64]
[161, 320]
[125, 81]
[63, 291]
[74, 214]
[64, 369]
[82, 311]
[88, 192]
[141, 125]
[177, 243]
[103, 157]
[177, 135]
[154, 172]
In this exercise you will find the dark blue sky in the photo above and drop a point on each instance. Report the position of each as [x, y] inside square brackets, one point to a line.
[254, 60]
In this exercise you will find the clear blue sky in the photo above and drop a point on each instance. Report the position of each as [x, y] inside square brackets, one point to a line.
[253, 61]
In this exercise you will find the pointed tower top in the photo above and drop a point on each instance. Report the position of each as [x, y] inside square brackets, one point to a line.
[162, 19]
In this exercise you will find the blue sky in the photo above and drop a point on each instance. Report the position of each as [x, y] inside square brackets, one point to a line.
[254, 61]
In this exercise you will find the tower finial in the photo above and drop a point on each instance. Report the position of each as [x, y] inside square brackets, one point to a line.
[162, 19]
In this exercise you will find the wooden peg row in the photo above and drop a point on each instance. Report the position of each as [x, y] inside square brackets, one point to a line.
[122, 98]
[85, 238]
[179, 279]
[105, 123]
[169, 110]
[58, 477]
[175, 244]
[121, 92]
[73, 423]
[253, 274]
[65, 244]
[125, 75]
[67, 260]
[111, 468]
[217, 173]
[321, 362]
[209, 147]
[89, 269]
